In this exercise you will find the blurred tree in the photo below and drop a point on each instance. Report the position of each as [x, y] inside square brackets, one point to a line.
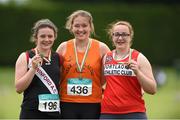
[156, 25]
[125, 1]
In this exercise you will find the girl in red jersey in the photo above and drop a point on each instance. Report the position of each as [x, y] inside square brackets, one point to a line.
[128, 74]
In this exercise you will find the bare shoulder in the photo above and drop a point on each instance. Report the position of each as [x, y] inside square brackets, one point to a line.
[62, 48]
[21, 66]
[103, 48]
[103, 44]
[142, 57]
[21, 59]
[142, 60]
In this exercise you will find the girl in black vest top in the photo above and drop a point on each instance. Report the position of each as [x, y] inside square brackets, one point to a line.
[37, 75]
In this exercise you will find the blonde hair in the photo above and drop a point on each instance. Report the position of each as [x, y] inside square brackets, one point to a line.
[42, 24]
[112, 25]
[77, 13]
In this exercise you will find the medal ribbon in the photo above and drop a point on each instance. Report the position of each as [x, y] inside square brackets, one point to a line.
[80, 67]
[130, 56]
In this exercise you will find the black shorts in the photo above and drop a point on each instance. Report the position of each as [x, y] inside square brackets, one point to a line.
[36, 114]
[136, 115]
[80, 110]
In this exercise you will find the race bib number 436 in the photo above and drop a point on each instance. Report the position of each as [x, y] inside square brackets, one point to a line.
[82, 87]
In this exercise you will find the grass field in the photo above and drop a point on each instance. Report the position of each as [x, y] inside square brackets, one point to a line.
[163, 105]
[10, 100]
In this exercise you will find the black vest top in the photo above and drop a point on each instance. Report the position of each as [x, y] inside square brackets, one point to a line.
[30, 99]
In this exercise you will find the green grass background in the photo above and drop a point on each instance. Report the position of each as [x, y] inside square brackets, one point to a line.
[165, 104]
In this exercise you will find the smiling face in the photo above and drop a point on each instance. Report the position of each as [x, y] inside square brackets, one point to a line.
[121, 36]
[45, 38]
[81, 28]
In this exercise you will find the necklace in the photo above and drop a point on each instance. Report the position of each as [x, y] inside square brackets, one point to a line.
[80, 67]
[129, 53]
[48, 60]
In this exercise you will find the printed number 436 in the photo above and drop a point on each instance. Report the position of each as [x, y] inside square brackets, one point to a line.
[79, 89]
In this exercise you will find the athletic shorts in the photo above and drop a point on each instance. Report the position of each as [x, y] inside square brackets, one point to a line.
[80, 110]
[36, 114]
[136, 115]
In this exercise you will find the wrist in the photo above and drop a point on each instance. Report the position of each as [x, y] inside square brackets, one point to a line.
[33, 69]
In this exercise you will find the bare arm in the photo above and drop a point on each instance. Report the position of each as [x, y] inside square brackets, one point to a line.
[103, 50]
[143, 71]
[103, 79]
[23, 76]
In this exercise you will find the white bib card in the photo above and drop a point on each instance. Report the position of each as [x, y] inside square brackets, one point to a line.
[48, 102]
[82, 87]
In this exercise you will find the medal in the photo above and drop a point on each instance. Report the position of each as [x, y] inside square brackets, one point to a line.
[80, 76]
[48, 61]
[80, 67]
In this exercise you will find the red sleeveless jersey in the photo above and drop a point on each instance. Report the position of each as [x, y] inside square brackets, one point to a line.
[123, 93]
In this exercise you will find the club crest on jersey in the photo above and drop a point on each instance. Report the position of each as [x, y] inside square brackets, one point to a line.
[108, 58]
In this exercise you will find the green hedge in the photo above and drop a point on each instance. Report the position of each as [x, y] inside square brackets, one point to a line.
[156, 27]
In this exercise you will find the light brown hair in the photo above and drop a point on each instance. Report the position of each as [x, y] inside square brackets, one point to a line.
[42, 24]
[77, 13]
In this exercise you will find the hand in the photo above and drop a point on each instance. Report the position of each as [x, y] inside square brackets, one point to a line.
[36, 61]
[134, 66]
